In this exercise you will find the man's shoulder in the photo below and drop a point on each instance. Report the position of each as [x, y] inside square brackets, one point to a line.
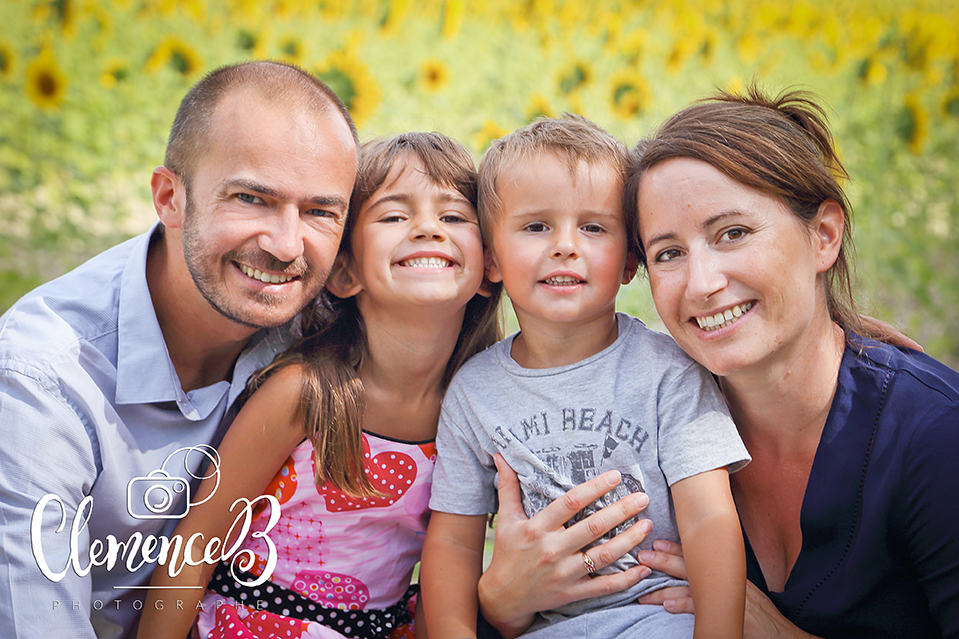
[79, 306]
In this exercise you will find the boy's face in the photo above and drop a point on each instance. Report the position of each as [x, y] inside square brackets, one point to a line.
[559, 241]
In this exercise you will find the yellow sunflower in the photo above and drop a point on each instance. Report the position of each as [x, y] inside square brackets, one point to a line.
[950, 104]
[291, 50]
[538, 107]
[873, 71]
[176, 53]
[575, 76]
[913, 124]
[434, 75]
[115, 70]
[46, 85]
[485, 136]
[453, 11]
[630, 94]
[353, 82]
[7, 60]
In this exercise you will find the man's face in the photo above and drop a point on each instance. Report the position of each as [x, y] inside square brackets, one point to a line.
[265, 208]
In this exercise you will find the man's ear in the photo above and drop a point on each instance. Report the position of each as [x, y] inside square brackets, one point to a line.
[341, 281]
[828, 227]
[493, 272]
[629, 271]
[169, 197]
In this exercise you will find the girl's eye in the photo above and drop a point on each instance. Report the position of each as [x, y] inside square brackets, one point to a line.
[535, 227]
[667, 255]
[246, 198]
[391, 218]
[453, 218]
[733, 234]
[593, 228]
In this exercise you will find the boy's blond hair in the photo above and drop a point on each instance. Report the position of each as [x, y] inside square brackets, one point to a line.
[572, 138]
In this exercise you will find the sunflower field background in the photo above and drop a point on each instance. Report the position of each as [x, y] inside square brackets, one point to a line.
[88, 90]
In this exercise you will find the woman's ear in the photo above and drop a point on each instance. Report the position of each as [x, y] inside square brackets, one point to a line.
[169, 197]
[829, 225]
[341, 281]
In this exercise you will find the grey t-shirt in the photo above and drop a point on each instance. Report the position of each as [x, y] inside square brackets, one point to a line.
[641, 406]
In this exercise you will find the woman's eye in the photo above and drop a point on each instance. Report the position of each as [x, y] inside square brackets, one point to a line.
[668, 255]
[734, 234]
[246, 198]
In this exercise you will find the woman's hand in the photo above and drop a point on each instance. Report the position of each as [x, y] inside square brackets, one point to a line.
[538, 563]
[763, 619]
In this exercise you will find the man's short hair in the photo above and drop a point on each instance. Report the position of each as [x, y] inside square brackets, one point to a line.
[277, 82]
[571, 137]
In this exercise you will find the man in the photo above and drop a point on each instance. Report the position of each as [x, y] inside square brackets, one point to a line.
[114, 376]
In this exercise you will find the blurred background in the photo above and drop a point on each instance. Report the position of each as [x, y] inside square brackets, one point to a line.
[88, 90]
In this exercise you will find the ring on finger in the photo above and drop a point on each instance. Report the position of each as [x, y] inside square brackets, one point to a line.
[588, 562]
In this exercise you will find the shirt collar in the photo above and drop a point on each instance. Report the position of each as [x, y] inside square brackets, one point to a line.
[145, 372]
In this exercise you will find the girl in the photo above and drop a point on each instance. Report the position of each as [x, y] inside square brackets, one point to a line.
[348, 415]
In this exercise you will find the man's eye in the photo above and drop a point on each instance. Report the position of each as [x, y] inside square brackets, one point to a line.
[320, 213]
[247, 198]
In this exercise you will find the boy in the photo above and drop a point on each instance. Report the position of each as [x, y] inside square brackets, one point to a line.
[578, 391]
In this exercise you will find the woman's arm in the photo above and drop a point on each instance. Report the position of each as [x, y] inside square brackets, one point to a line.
[260, 439]
[763, 620]
[715, 560]
[538, 563]
[450, 569]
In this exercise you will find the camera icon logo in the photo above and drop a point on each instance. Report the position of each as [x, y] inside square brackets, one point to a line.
[158, 496]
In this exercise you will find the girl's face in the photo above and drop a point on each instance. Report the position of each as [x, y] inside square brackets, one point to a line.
[416, 243]
[734, 273]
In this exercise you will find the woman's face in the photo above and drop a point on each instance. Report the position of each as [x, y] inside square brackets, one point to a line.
[733, 272]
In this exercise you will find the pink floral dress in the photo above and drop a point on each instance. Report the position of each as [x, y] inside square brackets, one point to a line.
[343, 565]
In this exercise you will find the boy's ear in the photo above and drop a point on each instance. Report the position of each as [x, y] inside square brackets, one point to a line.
[341, 281]
[169, 193]
[629, 271]
[829, 225]
[493, 273]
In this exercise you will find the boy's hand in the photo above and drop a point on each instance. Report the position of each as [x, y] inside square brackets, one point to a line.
[538, 563]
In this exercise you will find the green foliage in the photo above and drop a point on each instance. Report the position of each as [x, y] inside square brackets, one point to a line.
[88, 91]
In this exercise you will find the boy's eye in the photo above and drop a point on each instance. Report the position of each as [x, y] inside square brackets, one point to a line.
[247, 198]
[535, 227]
[392, 218]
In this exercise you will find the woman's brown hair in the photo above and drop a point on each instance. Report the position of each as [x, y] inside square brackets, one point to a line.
[778, 145]
[333, 342]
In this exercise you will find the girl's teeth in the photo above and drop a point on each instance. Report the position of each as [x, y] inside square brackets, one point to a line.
[426, 262]
[562, 280]
[267, 278]
[725, 318]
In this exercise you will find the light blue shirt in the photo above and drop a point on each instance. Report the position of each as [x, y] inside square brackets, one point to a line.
[90, 404]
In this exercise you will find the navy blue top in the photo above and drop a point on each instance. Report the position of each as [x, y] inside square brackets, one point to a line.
[880, 517]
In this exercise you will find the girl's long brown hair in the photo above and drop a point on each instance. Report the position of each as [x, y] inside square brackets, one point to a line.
[333, 339]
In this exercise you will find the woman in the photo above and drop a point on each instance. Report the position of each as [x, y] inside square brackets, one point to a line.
[848, 507]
